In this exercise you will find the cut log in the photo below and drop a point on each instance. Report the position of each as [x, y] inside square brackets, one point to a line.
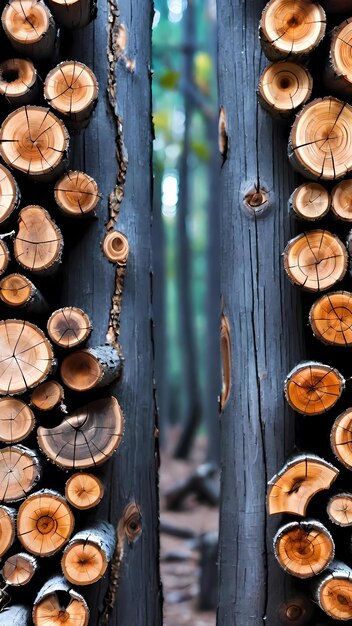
[72, 13]
[44, 523]
[16, 420]
[291, 28]
[291, 490]
[16, 615]
[115, 247]
[47, 395]
[333, 591]
[26, 356]
[7, 529]
[331, 318]
[4, 257]
[90, 368]
[9, 194]
[225, 346]
[88, 554]
[71, 89]
[310, 201]
[30, 28]
[283, 87]
[321, 138]
[18, 292]
[86, 438]
[312, 388]
[68, 327]
[315, 260]
[38, 243]
[338, 76]
[76, 194]
[341, 438]
[19, 569]
[34, 141]
[57, 603]
[304, 549]
[341, 200]
[84, 491]
[18, 81]
[340, 509]
[19, 472]
[297, 611]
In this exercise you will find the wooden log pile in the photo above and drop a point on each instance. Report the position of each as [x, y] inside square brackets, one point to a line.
[53, 436]
[309, 81]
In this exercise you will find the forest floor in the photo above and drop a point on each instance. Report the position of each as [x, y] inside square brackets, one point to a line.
[180, 579]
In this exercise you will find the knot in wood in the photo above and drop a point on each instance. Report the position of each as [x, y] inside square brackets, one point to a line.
[132, 523]
[293, 612]
[256, 200]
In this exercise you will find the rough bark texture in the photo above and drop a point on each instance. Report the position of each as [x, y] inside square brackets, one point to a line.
[263, 310]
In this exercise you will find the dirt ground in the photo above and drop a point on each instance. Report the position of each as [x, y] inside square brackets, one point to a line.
[180, 579]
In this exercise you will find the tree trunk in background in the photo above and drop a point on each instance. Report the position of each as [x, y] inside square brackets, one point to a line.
[257, 427]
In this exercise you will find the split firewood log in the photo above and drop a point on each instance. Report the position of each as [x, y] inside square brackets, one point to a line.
[340, 509]
[16, 420]
[34, 141]
[44, 522]
[86, 438]
[47, 395]
[341, 438]
[68, 327]
[84, 491]
[312, 388]
[30, 28]
[315, 260]
[116, 247]
[301, 478]
[19, 472]
[15, 615]
[57, 603]
[333, 591]
[291, 28]
[331, 318]
[38, 244]
[310, 201]
[19, 569]
[87, 555]
[320, 139]
[90, 368]
[338, 75]
[72, 14]
[4, 256]
[18, 292]
[297, 611]
[26, 356]
[71, 89]
[76, 194]
[304, 549]
[283, 87]
[7, 528]
[18, 81]
[341, 200]
[9, 194]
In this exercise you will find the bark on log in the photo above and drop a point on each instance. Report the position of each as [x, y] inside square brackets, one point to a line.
[338, 75]
[87, 555]
[30, 28]
[84, 491]
[90, 368]
[331, 318]
[47, 395]
[4, 257]
[57, 603]
[16, 420]
[38, 244]
[340, 509]
[304, 549]
[115, 247]
[19, 472]
[19, 569]
[341, 438]
[72, 14]
[283, 87]
[76, 194]
[9, 194]
[18, 292]
[16, 615]
[71, 89]
[312, 388]
[86, 438]
[69, 327]
[7, 529]
[44, 523]
[341, 200]
[18, 81]
[333, 591]
[310, 201]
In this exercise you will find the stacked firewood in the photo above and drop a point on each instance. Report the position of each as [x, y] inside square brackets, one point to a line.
[49, 455]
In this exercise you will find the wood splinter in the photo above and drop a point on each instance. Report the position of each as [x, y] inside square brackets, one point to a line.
[38, 244]
[69, 327]
[16, 420]
[47, 395]
[30, 28]
[9, 194]
[19, 472]
[310, 201]
[312, 388]
[18, 81]
[291, 490]
[72, 13]
[84, 491]
[333, 591]
[57, 603]
[283, 87]
[71, 89]
[115, 247]
[340, 509]
[76, 194]
[331, 318]
[90, 368]
[88, 554]
[19, 569]
[341, 438]
[18, 292]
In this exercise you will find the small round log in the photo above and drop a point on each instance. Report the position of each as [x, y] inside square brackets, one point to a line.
[38, 244]
[296, 611]
[115, 247]
[44, 523]
[315, 260]
[88, 554]
[283, 87]
[72, 13]
[71, 89]
[84, 491]
[291, 490]
[16, 420]
[18, 292]
[34, 141]
[57, 603]
[338, 75]
[4, 256]
[331, 318]
[19, 472]
[321, 138]
[47, 395]
[291, 29]
[9, 194]
[340, 509]
[26, 356]
[304, 549]
[90, 368]
[7, 528]
[333, 591]
[341, 200]
[15, 615]
[310, 201]
[341, 438]
[30, 28]
[312, 388]
[86, 438]
[19, 569]
[18, 81]
[76, 194]
[68, 327]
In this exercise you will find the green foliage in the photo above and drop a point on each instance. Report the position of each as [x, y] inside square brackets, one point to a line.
[169, 79]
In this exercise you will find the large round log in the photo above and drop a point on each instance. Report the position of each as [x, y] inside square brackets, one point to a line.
[19, 472]
[38, 244]
[88, 554]
[91, 367]
[333, 591]
[16, 420]
[71, 89]
[86, 438]
[76, 194]
[68, 327]
[18, 81]
[84, 491]
[30, 28]
[19, 569]
[57, 603]
[304, 549]
[341, 438]
[331, 318]
[7, 528]
[283, 87]
[312, 388]
[72, 14]
[9, 194]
